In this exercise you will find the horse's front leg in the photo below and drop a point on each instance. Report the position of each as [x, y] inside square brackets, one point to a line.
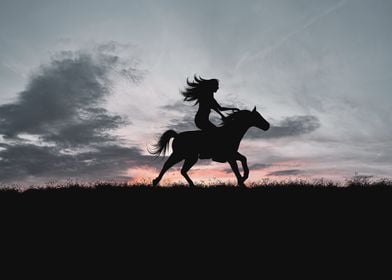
[234, 167]
[245, 167]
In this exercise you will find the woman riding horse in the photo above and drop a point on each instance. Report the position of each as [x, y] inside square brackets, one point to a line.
[221, 145]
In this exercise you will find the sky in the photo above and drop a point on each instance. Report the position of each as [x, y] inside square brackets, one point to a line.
[87, 86]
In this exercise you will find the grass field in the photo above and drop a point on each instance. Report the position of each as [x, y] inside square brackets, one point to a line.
[268, 195]
[292, 186]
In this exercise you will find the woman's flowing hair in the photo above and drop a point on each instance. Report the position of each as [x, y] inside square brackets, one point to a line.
[198, 86]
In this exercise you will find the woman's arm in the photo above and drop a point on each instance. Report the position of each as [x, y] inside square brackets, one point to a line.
[217, 107]
[228, 109]
[219, 112]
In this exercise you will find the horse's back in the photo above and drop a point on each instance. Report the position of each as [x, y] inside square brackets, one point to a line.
[188, 140]
[196, 140]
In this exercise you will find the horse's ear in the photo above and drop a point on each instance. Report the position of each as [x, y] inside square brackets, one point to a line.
[254, 109]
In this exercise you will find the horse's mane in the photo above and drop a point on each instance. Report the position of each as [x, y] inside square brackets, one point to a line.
[233, 117]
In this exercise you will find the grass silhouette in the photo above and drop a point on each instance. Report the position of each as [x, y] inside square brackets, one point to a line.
[321, 186]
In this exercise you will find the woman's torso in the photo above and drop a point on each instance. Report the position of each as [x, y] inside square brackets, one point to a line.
[203, 113]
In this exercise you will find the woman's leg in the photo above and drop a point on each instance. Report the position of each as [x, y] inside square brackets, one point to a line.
[209, 128]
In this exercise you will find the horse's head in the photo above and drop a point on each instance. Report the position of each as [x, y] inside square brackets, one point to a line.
[251, 118]
[258, 120]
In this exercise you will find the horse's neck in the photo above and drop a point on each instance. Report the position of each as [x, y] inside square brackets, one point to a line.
[238, 131]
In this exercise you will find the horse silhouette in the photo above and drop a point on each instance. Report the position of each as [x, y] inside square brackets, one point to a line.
[220, 145]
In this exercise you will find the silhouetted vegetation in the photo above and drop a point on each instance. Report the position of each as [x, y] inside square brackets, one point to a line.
[261, 187]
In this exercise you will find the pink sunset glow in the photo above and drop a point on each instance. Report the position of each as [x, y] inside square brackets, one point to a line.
[220, 173]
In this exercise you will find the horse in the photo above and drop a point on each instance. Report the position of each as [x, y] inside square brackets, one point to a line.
[220, 145]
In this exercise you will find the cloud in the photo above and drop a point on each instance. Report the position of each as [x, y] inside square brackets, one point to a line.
[259, 166]
[289, 172]
[179, 106]
[290, 126]
[63, 107]
[279, 43]
[24, 161]
[185, 123]
[181, 116]
[63, 101]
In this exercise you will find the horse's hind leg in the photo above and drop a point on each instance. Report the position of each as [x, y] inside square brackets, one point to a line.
[189, 162]
[172, 160]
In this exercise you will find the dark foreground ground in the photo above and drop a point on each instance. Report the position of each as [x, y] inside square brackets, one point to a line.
[271, 204]
[288, 216]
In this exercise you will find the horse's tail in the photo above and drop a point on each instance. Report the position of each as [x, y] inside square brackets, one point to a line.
[163, 143]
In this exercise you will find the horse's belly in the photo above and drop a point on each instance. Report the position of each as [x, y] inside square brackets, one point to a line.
[196, 142]
[188, 141]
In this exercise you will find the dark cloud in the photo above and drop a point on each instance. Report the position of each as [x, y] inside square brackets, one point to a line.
[184, 123]
[289, 172]
[63, 106]
[290, 126]
[20, 161]
[91, 128]
[179, 106]
[64, 98]
[258, 166]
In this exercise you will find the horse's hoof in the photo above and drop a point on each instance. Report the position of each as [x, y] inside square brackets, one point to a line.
[155, 182]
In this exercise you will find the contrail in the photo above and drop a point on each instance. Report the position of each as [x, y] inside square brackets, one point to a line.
[265, 52]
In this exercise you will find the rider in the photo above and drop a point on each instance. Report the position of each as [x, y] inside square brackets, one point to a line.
[203, 91]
